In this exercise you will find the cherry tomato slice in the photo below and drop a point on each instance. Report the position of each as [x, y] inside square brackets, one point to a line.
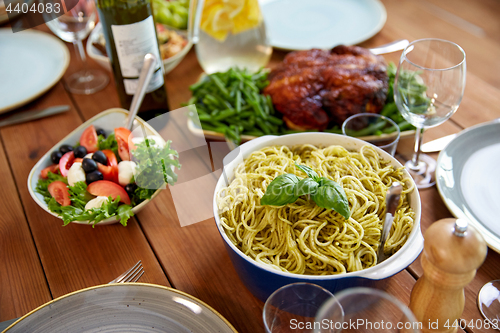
[122, 138]
[44, 174]
[112, 161]
[107, 188]
[89, 139]
[66, 162]
[108, 172]
[59, 191]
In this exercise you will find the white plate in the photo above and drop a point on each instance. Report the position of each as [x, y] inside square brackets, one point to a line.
[125, 307]
[468, 180]
[323, 24]
[168, 64]
[107, 120]
[31, 62]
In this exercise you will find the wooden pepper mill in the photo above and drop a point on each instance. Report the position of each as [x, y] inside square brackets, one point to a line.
[453, 251]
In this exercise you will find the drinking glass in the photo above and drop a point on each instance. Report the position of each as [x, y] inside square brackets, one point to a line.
[376, 129]
[230, 34]
[488, 302]
[292, 308]
[428, 89]
[74, 26]
[365, 310]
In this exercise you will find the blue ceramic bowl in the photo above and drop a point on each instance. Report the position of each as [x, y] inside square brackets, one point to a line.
[263, 280]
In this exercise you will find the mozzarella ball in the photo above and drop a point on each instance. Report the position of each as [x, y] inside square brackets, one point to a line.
[126, 170]
[96, 202]
[76, 174]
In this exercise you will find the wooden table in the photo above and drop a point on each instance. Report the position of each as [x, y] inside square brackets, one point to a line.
[42, 260]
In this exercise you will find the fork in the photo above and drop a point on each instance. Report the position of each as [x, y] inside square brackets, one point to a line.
[132, 275]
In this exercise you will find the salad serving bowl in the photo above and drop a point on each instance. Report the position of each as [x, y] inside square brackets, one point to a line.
[262, 280]
[107, 120]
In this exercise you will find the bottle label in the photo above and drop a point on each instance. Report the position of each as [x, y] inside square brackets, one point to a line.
[133, 42]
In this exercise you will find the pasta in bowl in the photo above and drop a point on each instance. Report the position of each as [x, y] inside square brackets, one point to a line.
[273, 245]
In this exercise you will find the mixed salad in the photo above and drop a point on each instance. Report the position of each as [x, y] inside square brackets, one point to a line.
[106, 175]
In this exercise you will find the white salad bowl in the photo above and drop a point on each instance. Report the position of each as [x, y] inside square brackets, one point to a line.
[107, 120]
[168, 64]
[261, 279]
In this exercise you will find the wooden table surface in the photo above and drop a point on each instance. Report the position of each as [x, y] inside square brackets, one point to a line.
[41, 260]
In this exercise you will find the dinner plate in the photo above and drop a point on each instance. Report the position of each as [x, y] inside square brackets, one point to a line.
[468, 180]
[123, 307]
[302, 25]
[31, 62]
[197, 130]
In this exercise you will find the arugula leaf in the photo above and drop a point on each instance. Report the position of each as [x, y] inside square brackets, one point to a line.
[308, 171]
[281, 191]
[108, 143]
[154, 164]
[331, 195]
[79, 195]
[124, 212]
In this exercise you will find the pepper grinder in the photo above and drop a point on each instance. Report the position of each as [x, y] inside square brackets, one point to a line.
[453, 251]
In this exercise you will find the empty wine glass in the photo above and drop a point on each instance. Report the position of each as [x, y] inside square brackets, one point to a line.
[74, 26]
[488, 302]
[428, 89]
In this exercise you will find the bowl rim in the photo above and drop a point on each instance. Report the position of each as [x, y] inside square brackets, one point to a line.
[394, 264]
[46, 157]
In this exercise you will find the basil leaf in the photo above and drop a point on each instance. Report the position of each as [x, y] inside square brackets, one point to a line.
[306, 186]
[281, 191]
[308, 171]
[331, 195]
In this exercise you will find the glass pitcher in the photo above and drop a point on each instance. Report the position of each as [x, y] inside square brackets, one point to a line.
[229, 33]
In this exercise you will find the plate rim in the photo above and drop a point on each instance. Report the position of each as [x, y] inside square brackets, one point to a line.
[380, 24]
[491, 239]
[52, 83]
[182, 293]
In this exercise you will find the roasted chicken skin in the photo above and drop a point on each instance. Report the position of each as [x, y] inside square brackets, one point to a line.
[315, 89]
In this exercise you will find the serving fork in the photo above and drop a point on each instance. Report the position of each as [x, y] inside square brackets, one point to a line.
[132, 275]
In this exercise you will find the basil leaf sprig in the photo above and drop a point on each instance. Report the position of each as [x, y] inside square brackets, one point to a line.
[326, 193]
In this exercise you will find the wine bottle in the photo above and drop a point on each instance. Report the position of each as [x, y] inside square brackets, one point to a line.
[129, 31]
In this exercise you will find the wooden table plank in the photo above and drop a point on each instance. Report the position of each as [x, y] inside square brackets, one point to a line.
[23, 281]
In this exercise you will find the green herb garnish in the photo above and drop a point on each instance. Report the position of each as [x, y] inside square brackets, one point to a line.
[108, 143]
[326, 193]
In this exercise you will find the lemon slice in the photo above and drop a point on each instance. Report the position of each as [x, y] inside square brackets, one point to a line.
[221, 17]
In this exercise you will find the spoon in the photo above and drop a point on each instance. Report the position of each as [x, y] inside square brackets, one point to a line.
[391, 202]
[488, 301]
[144, 78]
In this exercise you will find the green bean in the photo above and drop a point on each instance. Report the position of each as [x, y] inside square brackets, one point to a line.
[275, 121]
[370, 129]
[238, 101]
[224, 114]
[219, 85]
[260, 122]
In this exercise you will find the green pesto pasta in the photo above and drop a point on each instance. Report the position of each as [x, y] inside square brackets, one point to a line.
[301, 237]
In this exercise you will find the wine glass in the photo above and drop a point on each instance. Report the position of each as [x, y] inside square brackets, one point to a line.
[488, 302]
[428, 89]
[74, 26]
[363, 309]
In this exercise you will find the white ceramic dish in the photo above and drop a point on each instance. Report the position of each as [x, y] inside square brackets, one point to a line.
[323, 24]
[107, 120]
[32, 62]
[198, 131]
[168, 64]
[123, 307]
[250, 270]
[468, 180]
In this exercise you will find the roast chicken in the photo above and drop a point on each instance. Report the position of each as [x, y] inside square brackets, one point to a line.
[316, 89]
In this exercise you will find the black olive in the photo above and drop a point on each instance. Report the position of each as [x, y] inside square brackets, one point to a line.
[100, 157]
[80, 152]
[89, 165]
[65, 148]
[94, 176]
[100, 131]
[130, 188]
[56, 156]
